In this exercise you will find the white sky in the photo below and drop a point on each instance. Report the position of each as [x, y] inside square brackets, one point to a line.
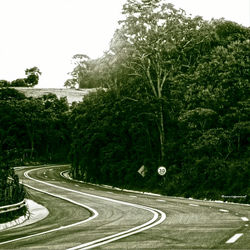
[47, 33]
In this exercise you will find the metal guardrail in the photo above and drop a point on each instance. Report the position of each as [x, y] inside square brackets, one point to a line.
[12, 207]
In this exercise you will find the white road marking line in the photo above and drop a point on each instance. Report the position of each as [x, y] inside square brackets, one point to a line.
[109, 187]
[133, 196]
[121, 235]
[193, 205]
[234, 238]
[95, 214]
[110, 192]
[244, 218]
[161, 200]
[158, 216]
[76, 185]
[224, 210]
[147, 193]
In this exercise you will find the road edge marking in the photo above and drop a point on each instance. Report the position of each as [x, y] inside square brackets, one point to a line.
[94, 212]
[151, 223]
[234, 238]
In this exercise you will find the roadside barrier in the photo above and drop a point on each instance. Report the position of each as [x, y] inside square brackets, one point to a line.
[12, 207]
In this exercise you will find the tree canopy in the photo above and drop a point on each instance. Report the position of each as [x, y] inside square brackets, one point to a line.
[174, 92]
[31, 80]
[177, 94]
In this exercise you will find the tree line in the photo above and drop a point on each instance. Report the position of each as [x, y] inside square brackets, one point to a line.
[32, 131]
[32, 79]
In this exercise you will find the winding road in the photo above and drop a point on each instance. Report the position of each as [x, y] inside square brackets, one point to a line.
[84, 216]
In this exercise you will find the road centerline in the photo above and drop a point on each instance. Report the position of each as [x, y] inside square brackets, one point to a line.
[244, 218]
[158, 215]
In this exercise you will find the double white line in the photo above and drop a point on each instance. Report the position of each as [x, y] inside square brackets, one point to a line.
[158, 216]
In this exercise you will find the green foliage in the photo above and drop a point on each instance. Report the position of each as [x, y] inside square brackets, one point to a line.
[178, 95]
[33, 129]
[9, 216]
[175, 93]
[85, 73]
[11, 191]
[4, 83]
[32, 76]
[18, 83]
[30, 81]
[11, 94]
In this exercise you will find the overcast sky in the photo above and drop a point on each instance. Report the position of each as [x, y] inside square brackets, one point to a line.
[47, 33]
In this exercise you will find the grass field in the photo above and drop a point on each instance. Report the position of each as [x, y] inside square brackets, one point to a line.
[73, 95]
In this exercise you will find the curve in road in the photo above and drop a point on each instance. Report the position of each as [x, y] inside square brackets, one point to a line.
[158, 215]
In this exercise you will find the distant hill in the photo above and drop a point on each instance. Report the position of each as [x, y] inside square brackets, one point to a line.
[73, 95]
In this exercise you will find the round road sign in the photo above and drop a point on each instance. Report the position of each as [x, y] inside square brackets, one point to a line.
[162, 170]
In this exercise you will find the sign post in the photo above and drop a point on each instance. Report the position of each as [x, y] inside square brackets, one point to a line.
[162, 171]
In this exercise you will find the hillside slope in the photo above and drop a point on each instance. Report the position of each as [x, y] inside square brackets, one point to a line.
[73, 95]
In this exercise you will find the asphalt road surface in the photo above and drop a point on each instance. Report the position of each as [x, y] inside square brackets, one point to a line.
[84, 216]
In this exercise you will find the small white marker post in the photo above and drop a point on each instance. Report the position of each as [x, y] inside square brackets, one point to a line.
[194, 205]
[234, 238]
[224, 210]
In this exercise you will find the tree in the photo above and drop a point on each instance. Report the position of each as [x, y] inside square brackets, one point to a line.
[32, 76]
[70, 83]
[4, 83]
[84, 74]
[11, 94]
[20, 82]
[177, 94]
[153, 33]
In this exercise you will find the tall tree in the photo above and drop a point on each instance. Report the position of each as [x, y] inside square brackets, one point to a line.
[153, 33]
[33, 75]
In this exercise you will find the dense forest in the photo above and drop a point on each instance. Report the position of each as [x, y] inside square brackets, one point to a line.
[32, 131]
[173, 91]
[177, 95]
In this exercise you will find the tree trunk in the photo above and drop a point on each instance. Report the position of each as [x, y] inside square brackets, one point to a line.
[162, 134]
[32, 147]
